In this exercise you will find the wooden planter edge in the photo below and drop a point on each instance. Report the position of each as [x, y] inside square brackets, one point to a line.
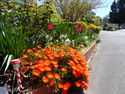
[88, 53]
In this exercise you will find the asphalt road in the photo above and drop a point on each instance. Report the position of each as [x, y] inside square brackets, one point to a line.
[108, 74]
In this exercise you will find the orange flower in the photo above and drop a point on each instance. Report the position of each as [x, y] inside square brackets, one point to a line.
[45, 49]
[60, 85]
[71, 63]
[78, 83]
[51, 83]
[32, 67]
[36, 54]
[86, 74]
[42, 69]
[56, 76]
[50, 57]
[45, 57]
[24, 50]
[61, 53]
[84, 86]
[66, 86]
[45, 79]
[75, 73]
[38, 46]
[38, 51]
[56, 55]
[29, 50]
[36, 73]
[54, 62]
[34, 48]
[48, 68]
[47, 62]
[63, 69]
[56, 65]
[25, 56]
[74, 67]
[50, 75]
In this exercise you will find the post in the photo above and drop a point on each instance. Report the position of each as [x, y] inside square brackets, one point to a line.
[16, 64]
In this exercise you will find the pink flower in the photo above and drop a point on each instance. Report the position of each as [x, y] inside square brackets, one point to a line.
[80, 29]
[76, 26]
[81, 26]
[49, 26]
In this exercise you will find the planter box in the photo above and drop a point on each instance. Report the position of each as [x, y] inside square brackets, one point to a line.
[43, 90]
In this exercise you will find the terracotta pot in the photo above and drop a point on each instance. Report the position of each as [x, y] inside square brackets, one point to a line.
[43, 90]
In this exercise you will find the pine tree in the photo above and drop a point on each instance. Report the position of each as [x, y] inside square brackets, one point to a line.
[121, 4]
[114, 14]
[117, 14]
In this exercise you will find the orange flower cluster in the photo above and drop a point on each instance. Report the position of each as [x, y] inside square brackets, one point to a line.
[55, 65]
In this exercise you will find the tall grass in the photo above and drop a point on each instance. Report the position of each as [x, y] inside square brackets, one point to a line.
[12, 40]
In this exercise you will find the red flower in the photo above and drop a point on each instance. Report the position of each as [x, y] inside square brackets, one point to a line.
[76, 26]
[75, 73]
[34, 48]
[51, 83]
[37, 61]
[66, 86]
[64, 91]
[49, 26]
[84, 86]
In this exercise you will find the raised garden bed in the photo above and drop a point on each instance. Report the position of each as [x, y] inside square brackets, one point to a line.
[89, 51]
[87, 54]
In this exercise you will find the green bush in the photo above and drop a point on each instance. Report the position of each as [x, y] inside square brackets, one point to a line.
[110, 27]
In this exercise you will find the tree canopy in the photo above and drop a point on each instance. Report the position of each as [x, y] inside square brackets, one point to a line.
[117, 14]
[73, 10]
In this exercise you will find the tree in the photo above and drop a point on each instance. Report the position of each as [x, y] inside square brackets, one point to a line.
[73, 10]
[114, 14]
[106, 19]
[117, 14]
[97, 20]
[89, 17]
[122, 11]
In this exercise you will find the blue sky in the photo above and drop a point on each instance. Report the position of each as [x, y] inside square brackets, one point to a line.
[104, 8]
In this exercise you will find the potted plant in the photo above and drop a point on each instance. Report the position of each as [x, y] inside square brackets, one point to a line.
[63, 68]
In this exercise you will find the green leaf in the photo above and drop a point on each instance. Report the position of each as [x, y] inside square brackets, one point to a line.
[4, 61]
[8, 62]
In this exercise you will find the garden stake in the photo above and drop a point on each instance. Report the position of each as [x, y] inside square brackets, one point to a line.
[15, 64]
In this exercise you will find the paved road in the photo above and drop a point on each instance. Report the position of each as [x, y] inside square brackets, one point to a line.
[108, 74]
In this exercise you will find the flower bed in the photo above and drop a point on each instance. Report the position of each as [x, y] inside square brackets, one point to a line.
[61, 67]
[50, 90]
